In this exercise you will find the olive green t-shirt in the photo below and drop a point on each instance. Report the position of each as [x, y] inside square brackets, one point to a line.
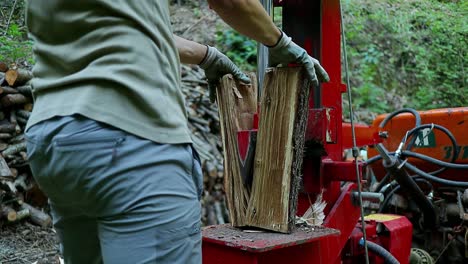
[113, 61]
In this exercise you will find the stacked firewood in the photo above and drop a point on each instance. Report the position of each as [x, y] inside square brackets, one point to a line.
[16, 183]
[206, 130]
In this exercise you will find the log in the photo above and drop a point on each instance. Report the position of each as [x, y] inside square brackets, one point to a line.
[14, 99]
[15, 148]
[3, 145]
[279, 150]
[8, 90]
[3, 67]
[22, 214]
[4, 169]
[235, 100]
[23, 113]
[18, 77]
[25, 90]
[7, 128]
[5, 136]
[8, 213]
[28, 107]
[36, 216]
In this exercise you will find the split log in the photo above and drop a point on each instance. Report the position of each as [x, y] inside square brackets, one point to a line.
[236, 103]
[279, 151]
[8, 213]
[3, 67]
[14, 99]
[18, 77]
[37, 217]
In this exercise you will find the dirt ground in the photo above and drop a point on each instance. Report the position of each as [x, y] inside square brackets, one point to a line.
[26, 243]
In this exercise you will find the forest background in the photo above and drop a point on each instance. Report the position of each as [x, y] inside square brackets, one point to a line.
[402, 53]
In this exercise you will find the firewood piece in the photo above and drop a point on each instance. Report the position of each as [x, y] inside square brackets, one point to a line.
[20, 182]
[199, 121]
[23, 113]
[5, 136]
[37, 217]
[219, 213]
[279, 151]
[17, 77]
[17, 139]
[28, 107]
[22, 121]
[3, 67]
[4, 169]
[14, 172]
[211, 214]
[3, 145]
[22, 214]
[8, 213]
[13, 99]
[8, 186]
[8, 90]
[14, 121]
[15, 148]
[25, 90]
[235, 99]
[7, 128]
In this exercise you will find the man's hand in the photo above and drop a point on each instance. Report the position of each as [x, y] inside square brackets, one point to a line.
[216, 65]
[286, 51]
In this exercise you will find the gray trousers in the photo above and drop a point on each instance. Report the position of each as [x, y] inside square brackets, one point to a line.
[117, 198]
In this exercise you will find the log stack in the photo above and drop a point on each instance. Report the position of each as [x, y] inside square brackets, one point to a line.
[205, 125]
[19, 195]
[17, 187]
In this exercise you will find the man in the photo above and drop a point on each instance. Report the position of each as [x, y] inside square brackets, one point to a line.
[108, 140]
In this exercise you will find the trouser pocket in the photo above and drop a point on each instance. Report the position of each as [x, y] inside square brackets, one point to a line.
[197, 173]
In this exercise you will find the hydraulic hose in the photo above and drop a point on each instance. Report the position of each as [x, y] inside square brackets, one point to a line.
[380, 251]
[434, 178]
[396, 189]
[441, 163]
[394, 166]
[415, 113]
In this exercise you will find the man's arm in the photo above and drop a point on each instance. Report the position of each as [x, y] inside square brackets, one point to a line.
[249, 18]
[190, 52]
[211, 60]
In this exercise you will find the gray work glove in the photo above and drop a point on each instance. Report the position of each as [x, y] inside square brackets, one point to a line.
[216, 65]
[286, 51]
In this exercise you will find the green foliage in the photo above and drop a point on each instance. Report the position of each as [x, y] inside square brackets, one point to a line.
[14, 48]
[408, 49]
[240, 49]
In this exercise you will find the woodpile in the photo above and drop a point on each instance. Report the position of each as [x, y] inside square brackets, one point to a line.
[17, 187]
